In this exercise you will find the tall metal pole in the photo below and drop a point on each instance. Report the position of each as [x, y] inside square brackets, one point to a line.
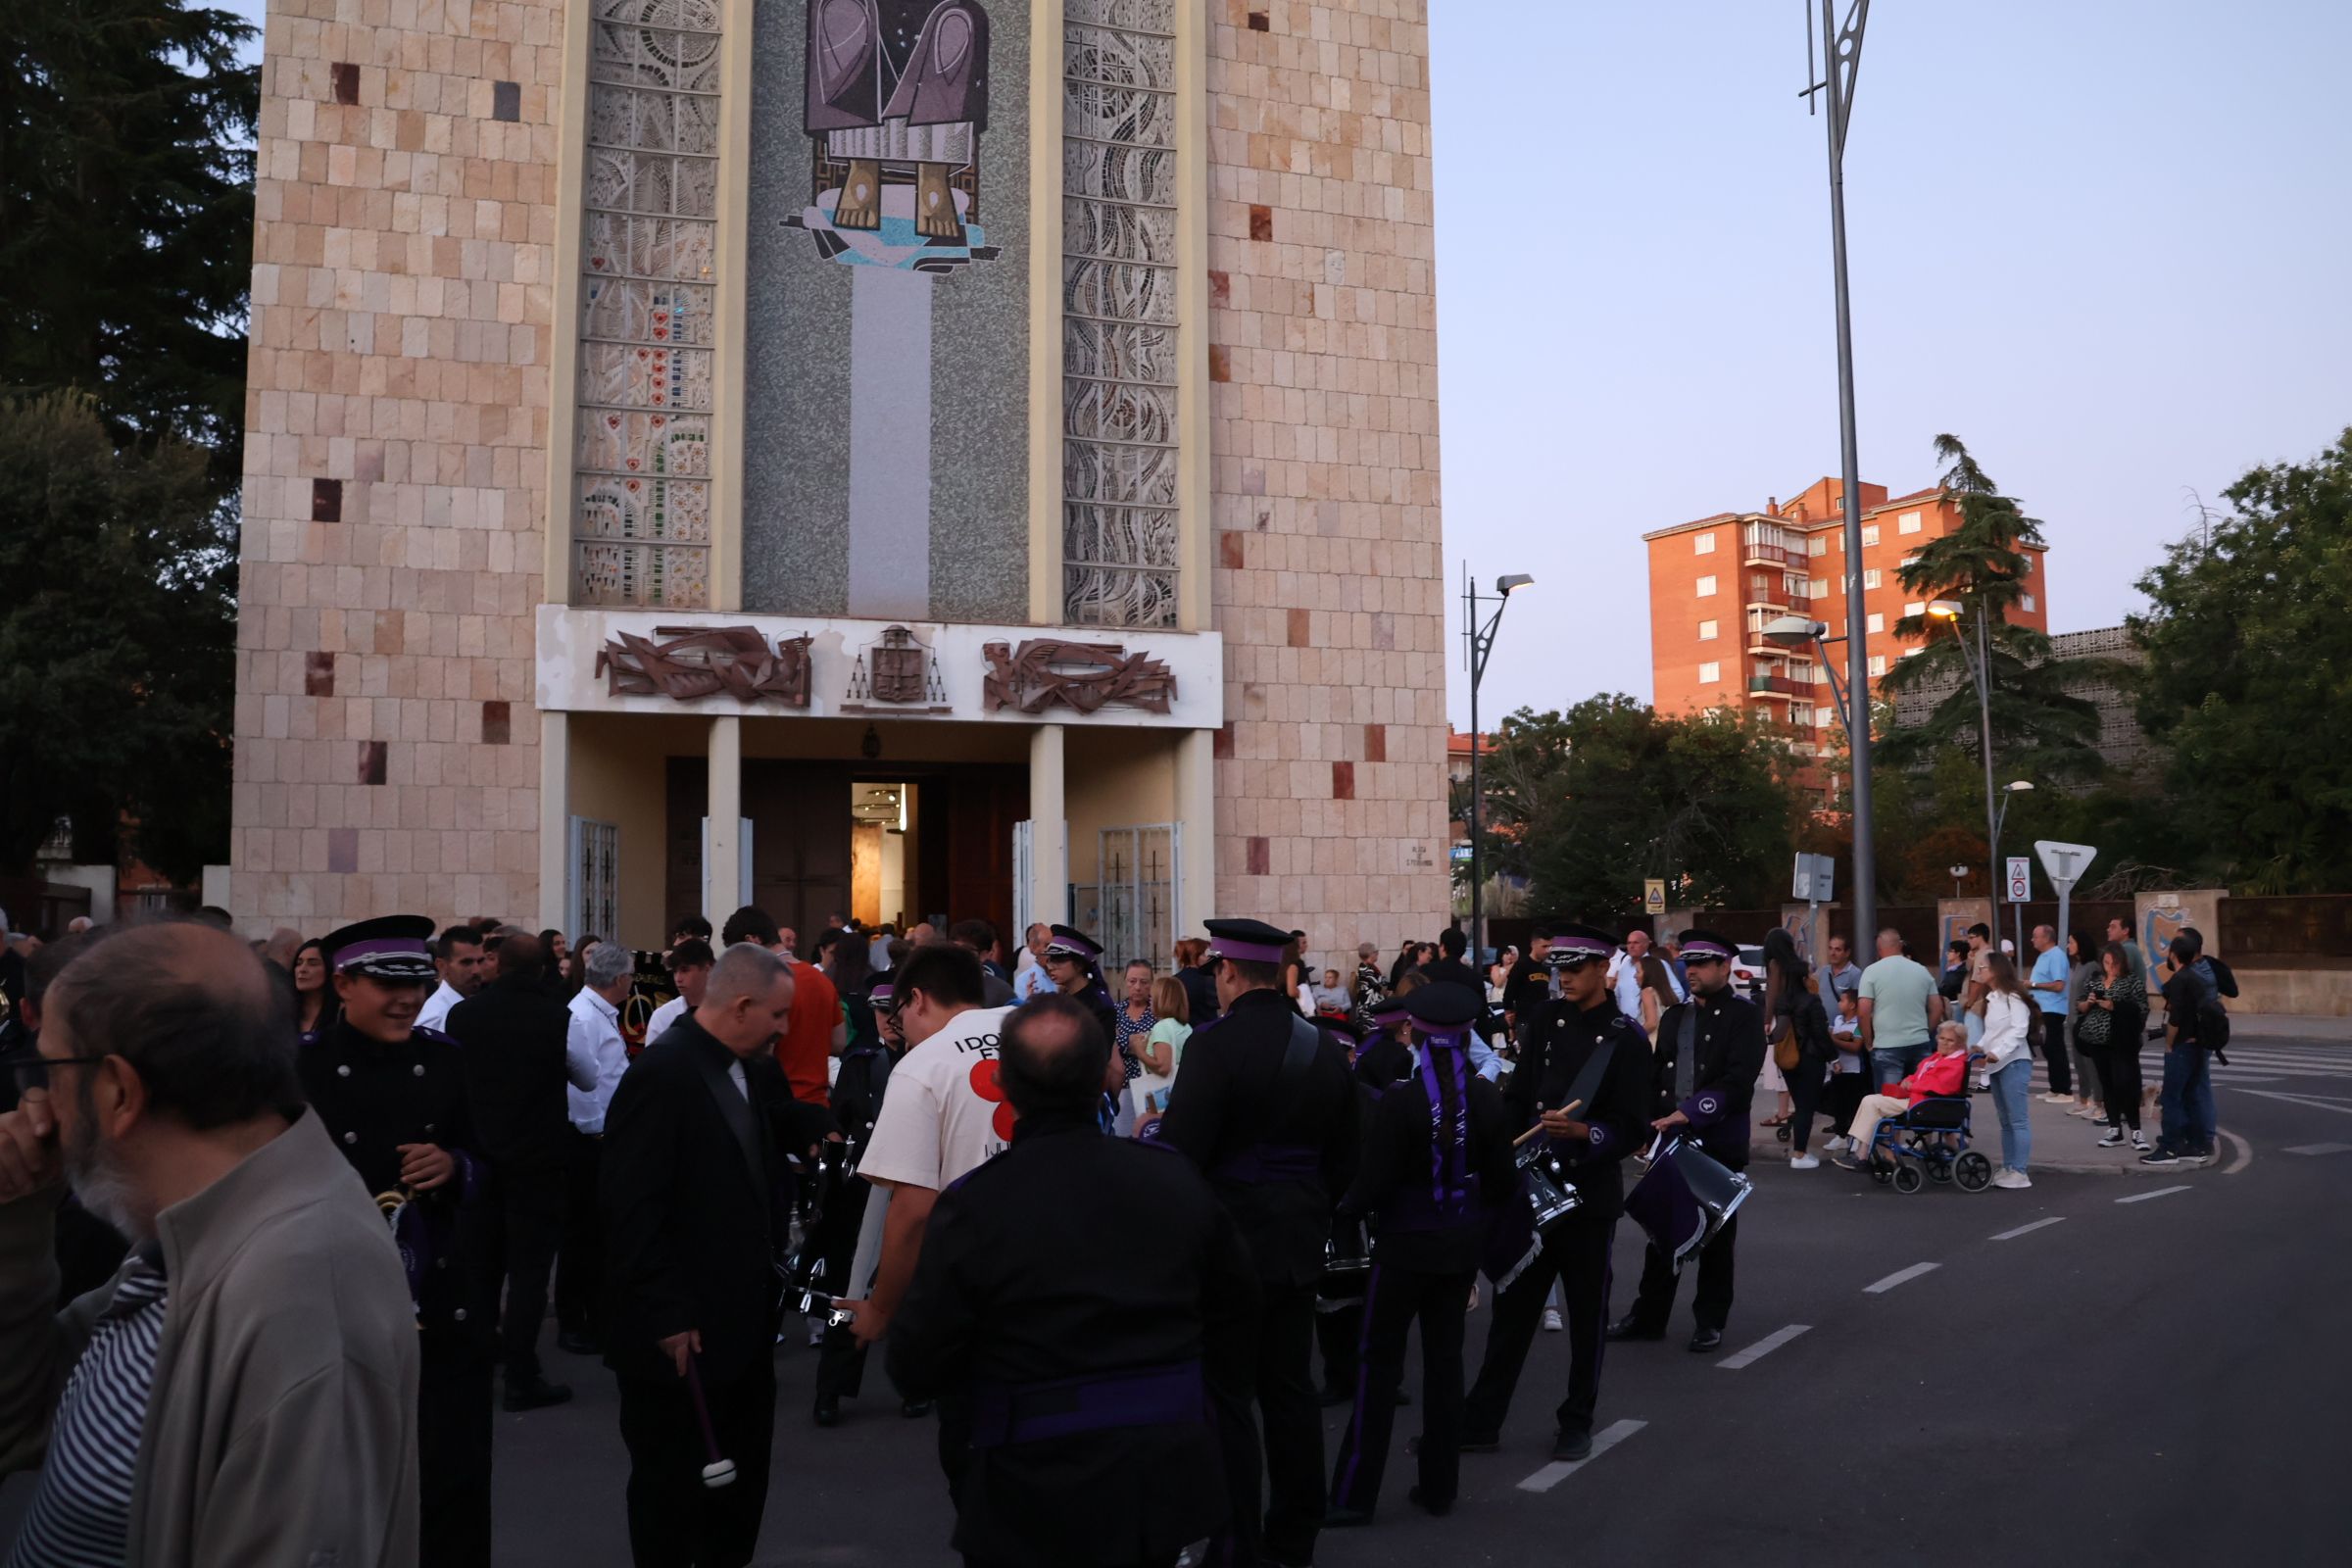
[1476, 869]
[1843, 58]
[1983, 671]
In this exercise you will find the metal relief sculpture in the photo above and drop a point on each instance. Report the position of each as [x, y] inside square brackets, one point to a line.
[896, 675]
[698, 662]
[896, 104]
[1080, 675]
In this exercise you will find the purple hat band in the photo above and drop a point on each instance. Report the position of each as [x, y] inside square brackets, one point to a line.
[1590, 947]
[880, 994]
[1247, 952]
[379, 948]
[1703, 949]
[1387, 1013]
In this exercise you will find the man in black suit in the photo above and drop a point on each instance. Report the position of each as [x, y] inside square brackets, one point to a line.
[691, 1194]
[515, 1068]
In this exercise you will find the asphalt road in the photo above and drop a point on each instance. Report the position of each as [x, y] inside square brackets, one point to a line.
[2106, 1368]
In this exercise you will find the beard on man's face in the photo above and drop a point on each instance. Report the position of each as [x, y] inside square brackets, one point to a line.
[99, 1182]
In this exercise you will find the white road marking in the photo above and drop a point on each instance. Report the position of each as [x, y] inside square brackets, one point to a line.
[2022, 1230]
[1901, 1276]
[2161, 1192]
[2320, 1149]
[2310, 1102]
[2245, 1154]
[1762, 1348]
[1559, 1470]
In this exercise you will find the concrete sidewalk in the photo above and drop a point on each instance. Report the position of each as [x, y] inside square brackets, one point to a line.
[2062, 1144]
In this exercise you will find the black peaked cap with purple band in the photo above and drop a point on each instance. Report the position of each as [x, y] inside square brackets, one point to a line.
[1074, 943]
[1571, 942]
[390, 947]
[1702, 947]
[1247, 941]
[1443, 1008]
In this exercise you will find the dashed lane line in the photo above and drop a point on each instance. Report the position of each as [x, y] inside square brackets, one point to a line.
[1762, 1348]
[2025, 1230]
[2320, 1149]
[1559, 1470]
[2161, 1192]
[1899, 1277]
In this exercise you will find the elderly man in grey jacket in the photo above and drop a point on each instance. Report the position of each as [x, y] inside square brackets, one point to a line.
[244, 1389]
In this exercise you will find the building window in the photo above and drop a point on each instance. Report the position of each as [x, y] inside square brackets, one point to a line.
[1908, 523]
[1818, 545]
[1707, 631]
[1702, 544]
[1801, 716]
[1876, 624]
[1915, 608]
[593, 898]
[2026, 571]
[1710, 674]
[1877, 665]
[641, 457]
[1870, 577]
[1121, 539]
[1706, 588]
[1911, 559]
[2026, 604]
[1818, 588]
[1870, 537]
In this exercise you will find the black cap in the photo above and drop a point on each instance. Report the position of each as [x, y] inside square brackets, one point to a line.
[1074, 943]
[1706, 947]
[1570, 942]
[1443, 1006]
[1248, 940]
[390, 947]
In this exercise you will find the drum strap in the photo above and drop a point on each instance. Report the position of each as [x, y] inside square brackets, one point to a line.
[1587, 1078]
[1685, 1055]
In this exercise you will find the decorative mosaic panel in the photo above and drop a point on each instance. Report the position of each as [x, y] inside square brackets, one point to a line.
[1119, 313]
[641, 523]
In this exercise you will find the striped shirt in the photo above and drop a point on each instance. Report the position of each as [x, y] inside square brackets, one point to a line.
[81, 1516]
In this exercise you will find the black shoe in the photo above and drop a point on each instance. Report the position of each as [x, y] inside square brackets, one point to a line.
[1403, 1399]
[1707, 1340]
[1479, 1443]
[829, 1410]
[2160, 1155]
[572, 1342]
[536, 1395]
[1436, 1510]
[1336, 1396]
[915, 1409]
[1338, 1518]
[1630, 1327]
[1576, 1444]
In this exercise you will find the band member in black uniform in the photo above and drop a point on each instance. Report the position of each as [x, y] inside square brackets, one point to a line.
[1382, 1058]
[1084, 1360]
[856, 1105]
[1583, 1075]
[1435, 1164]
[1074, 963]
[393, 1097]
[1710, 1052]
[1266, 1106]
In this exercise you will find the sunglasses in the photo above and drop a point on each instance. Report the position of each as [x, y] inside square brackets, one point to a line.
[30, 1068]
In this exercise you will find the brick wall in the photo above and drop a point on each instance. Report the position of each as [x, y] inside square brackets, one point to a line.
[396, 468]
[1328, 578]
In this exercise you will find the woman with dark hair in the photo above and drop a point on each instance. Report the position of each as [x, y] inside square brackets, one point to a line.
[2109, 1022]
[1797, 1031]
[2081, 967]
[1409, 958]
[314, 993]
[851, 972]
[2007, 1044]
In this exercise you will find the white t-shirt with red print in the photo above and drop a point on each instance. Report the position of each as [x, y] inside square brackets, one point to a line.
[944, 1114]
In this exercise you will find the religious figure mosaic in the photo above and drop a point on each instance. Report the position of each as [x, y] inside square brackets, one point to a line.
[1085, 676]
[696, 661]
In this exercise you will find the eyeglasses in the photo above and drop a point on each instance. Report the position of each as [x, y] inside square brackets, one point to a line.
[30, 1068]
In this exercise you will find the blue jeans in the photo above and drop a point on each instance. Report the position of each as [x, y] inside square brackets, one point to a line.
[2187, 1102]
[1892, 1064]
[2010, 1087]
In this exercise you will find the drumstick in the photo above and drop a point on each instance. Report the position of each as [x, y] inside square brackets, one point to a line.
[719, 1471]
[1539, 1127]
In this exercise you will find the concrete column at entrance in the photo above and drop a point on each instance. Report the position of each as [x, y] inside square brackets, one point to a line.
[555, 819]
[1048, 828]
[1196, 811]
[725, 813]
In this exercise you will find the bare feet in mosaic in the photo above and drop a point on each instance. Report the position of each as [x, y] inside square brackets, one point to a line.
[935, 204]
[860, 204]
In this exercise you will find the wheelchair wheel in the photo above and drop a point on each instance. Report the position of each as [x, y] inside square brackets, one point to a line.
[1973, 1171]
[1780, 1132]
[1941, 1171]
[1882, 1171]
[1907, 1178]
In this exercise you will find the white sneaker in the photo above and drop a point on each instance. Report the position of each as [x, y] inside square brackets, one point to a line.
[1803, 1162]
[1837, 1146]
[2011, 1180]
[1551, 1320]
[2057, 1100]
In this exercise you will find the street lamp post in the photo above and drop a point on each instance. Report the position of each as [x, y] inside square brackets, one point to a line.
[1979, 672]
[1958, 871]
[1852, 701]
[1480, 642]
[2016, 910]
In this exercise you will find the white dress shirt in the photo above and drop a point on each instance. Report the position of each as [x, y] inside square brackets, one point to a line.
[435, 1014]
[665, 1016]
[594, 1059]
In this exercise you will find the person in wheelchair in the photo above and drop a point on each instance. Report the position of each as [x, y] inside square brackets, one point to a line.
[1943, 1075]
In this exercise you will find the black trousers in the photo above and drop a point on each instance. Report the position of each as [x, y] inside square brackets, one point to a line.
[581, 1276]
[2054, 1052]
[1276, 1485]
[452, 1449]
[2118, 1075]
[841, 1363]
[1843, 1098]
[1804, 1100]
[674, 1520]
[1395, 1297]
[1710, 1306]
[1577, 1255]
[530, 1213]
[1338, 1330]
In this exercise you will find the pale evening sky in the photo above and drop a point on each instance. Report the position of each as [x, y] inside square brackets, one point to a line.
[2103, 241]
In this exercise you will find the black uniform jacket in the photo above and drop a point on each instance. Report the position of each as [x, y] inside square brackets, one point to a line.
[1560, 1041]
[513, 1034]
[1039, 1294]
[1227, 1107]
[691, 1191]
[1383, 1059]
[371, 1098]
[1729, 1039]
[1393, 1184]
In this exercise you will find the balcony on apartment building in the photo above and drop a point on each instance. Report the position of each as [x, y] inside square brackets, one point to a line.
[1760, 618]
[1777, 684]
[1763, 545]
